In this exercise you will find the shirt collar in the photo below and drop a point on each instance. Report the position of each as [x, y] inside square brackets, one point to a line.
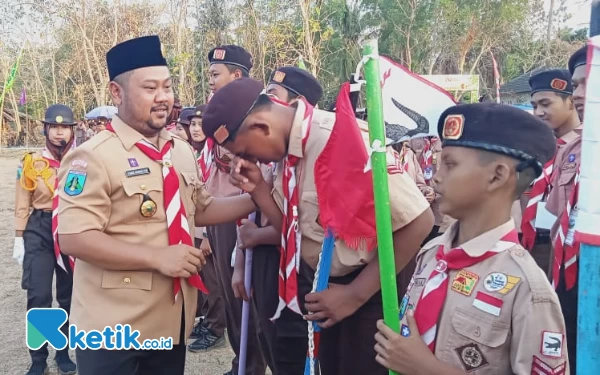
[478, 245]
[47, 154]
[573, 134]
[129, 136]
[295, 142]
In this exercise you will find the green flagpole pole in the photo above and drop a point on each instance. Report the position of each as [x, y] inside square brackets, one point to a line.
[383, 217]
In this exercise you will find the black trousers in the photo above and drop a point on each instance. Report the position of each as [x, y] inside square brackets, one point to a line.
[568, 303]
[39, 266]
[134, 362]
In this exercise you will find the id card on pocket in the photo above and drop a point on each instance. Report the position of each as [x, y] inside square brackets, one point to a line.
[543, 218]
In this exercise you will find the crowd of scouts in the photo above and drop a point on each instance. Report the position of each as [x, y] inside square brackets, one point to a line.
[155, 224]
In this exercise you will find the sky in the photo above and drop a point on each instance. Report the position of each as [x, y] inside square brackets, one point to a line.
[580, 10]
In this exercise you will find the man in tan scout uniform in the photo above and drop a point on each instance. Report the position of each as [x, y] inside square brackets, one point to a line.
[268, 131]
[478, 303]
[130, 220]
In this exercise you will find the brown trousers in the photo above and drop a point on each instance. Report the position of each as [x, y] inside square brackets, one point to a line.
[222, 240]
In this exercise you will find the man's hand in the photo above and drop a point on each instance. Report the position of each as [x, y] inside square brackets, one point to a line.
[245, 174]
[205, 247]
[331, 305]
[179, 261]
[246, 237]
[405, 355]
[19, 250]
[429, 194]
[237, 282]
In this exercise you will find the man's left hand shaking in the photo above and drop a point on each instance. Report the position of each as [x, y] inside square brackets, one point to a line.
[331, 305]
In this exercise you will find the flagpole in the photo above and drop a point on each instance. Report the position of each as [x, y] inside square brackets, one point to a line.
[385, 251]
[588, 319]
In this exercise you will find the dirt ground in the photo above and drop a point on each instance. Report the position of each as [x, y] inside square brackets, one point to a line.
[14, 356]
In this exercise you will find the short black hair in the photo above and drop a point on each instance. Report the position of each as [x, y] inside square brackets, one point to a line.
[123, 78]
[564, 96]
[524, 177]
[292, 95]
[232, 68]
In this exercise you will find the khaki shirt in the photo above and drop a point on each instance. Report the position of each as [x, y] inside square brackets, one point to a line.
[40, 198]
[414, 169]
[528, 327]
[218, 184]
[118, 175]
[406, 201]
[566, 165]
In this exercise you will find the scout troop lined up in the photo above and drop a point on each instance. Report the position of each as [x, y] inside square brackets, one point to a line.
[149, 219]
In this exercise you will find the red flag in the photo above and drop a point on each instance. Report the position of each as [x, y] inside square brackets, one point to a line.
[349, 213]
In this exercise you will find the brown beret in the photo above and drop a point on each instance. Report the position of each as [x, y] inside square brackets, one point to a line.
[229, 107]
[232, 55]
[577, 59]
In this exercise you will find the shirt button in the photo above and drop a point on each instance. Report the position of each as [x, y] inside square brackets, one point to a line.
[519, 253]
[477, 332]
[143, 187]
[127, 280]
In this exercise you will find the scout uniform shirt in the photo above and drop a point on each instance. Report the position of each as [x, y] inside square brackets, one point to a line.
[40, 195]
[406, 201]
[500, 316]
[115, 179]
[566, 165]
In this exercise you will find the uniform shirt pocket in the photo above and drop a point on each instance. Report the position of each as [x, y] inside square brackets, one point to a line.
[144, 201]
[126, 280]
[310, 225]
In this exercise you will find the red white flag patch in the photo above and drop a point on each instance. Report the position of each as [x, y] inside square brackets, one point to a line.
[489, 304]
[539, 367]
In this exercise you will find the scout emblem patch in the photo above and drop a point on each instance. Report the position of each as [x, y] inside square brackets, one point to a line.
[571, 158]
[558, 84]
[133, 163]
[405, 331]
[488, 303]
[148, 207]
[453, 126]
[219, 54]
[540, 367]
[221, 134]
[403, 306]
[552, 344]
[58, 119]
[501, 283]
[279, 76]
[75, 182]
[471, 357]
[464, 282]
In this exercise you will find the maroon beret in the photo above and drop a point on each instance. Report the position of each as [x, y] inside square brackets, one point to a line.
[229, 107]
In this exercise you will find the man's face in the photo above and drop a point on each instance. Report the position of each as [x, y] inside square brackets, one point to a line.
[579, 80]
[551, 108]
[279, 91]
[219, 76]
[146, 98]
[58, 133]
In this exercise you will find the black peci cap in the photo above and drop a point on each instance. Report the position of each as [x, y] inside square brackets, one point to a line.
[134, 54]
[232, 55]
[556, 80]
[59, 114]
[578, 59]
[499, 128]
[299, 81]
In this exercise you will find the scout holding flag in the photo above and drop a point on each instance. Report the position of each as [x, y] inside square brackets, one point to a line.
[301, 139]
[130, 223]
[477, 302]
[35, 245]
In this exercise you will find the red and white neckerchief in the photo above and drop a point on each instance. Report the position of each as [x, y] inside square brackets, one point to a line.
[539, 190]
[431, 301]
[403, 157]
[566, 248]
[205, 159]
[427, 159]
[289, 261]
[177, 223]
[59, 259]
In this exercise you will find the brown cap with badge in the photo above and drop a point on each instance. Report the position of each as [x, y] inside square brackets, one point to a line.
[232, 55]
[556, 80]
[228, 108]
[298, 81]
[499, 128]
[578, 59]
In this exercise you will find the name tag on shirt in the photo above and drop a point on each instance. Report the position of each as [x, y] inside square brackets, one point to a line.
[543, 218]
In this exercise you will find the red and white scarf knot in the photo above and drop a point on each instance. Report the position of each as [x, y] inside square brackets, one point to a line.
[431, 301]
[57, 253]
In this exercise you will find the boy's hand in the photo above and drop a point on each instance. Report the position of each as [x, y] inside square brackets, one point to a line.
[237, 283]
[331, 305]
[245, 174]
[205, 247]
[246, 235]
[405, 355]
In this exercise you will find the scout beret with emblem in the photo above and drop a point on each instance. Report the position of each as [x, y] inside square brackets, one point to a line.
[229, 107]
[578, 59]
[499, 128]
[134, 54]
[232, 55]
[184, 116]
[196, 112]
[59, 114]
[557, 80]
[298, 81]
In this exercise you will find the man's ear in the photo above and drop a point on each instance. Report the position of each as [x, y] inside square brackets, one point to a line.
[238, 74]
[116, 93]
[500, 174]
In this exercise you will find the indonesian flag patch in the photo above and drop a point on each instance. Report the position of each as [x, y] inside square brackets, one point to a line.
[488, 303]
[539, 367]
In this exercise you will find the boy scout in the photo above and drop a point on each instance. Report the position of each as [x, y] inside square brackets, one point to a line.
[129, 200]
[267, 131]
[36, 183]
[568, 158]
[481, 304]
[552, 101]
[284, 342]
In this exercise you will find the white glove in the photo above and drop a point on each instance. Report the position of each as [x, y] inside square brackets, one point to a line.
[19, 250]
